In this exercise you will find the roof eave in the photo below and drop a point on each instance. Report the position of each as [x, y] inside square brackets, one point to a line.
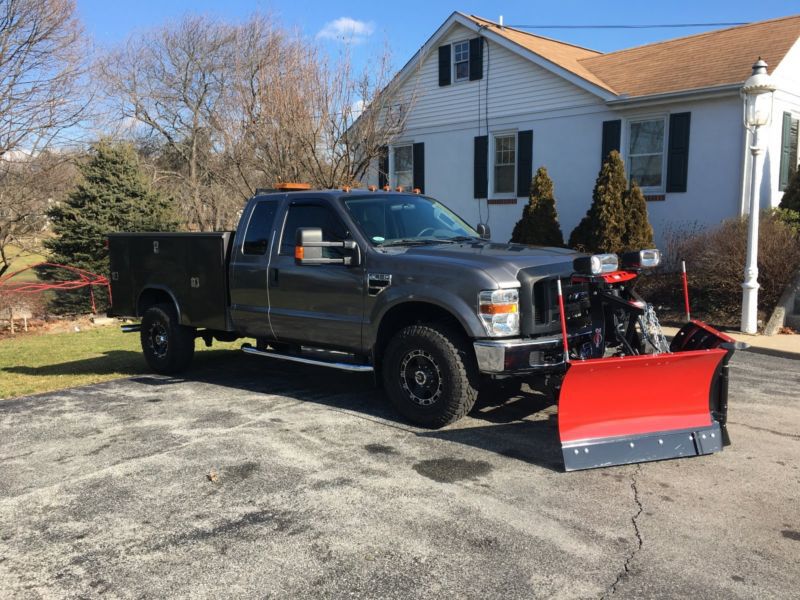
[603, 93]
[465, 21]
[693, 94]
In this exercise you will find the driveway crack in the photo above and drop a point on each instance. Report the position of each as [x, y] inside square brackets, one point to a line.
[639, 508]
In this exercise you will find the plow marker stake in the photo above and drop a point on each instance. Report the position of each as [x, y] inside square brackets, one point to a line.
[686, 291]
[630, 409]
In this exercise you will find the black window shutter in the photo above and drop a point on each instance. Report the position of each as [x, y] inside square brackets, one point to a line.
[678, 152]
[444, 65]
[524, 162]
[419, 166]
[481, 166]
[383, 166]
[786, 151]
[612, 130]
[476, 59]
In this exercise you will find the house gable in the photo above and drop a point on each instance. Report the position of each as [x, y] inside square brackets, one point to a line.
[510, 85]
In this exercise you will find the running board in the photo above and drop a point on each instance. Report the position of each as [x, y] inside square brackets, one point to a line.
[131, 328]
[308, 361]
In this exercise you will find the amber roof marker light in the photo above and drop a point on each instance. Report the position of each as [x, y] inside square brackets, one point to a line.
[290, 186]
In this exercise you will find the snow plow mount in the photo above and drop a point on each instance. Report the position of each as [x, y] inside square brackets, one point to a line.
[636, 407]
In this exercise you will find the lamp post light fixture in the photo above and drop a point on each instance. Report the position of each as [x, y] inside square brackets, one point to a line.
[757, 93]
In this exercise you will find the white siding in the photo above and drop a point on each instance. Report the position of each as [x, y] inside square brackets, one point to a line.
[513, 84]
[787, 99]
[567, 130]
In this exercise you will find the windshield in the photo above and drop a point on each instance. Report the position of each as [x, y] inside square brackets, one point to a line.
[389, 219]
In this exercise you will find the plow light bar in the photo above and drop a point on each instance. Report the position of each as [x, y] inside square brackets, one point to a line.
[597, 264]
[643, 259]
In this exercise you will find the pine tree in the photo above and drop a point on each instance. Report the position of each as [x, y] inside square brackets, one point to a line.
[539, 223]
[603, 227]
[111, 196]
[638, 231]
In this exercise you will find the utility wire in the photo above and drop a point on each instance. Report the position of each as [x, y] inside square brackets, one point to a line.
[647, 26]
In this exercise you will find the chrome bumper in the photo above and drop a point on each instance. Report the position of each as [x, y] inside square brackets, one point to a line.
[519, 356]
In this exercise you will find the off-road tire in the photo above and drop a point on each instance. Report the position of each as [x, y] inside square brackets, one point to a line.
[438, 352]
[168, 346]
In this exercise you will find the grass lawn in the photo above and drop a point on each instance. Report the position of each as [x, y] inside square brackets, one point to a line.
[42, 363]
[21, 259]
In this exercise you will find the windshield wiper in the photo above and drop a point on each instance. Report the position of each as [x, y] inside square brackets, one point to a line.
[409, 242]
[428, 241]
[464, 238]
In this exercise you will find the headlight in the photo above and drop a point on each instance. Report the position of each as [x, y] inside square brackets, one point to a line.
[597, 264]
[643, 259]
[499, 311]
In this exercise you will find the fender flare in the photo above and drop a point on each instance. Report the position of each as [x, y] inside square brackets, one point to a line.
[160, 288]
[446, 301]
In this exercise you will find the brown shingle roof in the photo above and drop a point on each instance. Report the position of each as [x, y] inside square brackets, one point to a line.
[566, 56]
[698, 61]
[703, 60]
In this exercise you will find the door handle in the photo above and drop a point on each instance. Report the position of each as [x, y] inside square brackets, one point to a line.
[273, 276]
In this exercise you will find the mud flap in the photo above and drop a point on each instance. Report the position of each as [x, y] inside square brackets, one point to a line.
[622, 410]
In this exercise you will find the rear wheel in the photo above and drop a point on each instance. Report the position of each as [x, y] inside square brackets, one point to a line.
[168, 346]
[430, 375]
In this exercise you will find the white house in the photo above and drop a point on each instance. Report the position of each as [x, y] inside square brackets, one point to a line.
[489, 104]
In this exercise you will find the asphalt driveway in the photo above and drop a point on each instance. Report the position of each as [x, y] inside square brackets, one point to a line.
[258, 479]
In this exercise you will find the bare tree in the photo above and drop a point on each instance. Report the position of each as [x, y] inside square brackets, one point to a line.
[172, 81]
[225, 109]
[30, 185]
[309, 118]
[41, 65]
[41, 52]
[355, 116]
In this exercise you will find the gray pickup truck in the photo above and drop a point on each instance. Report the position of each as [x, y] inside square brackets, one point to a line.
[397, 284]
[363, 281]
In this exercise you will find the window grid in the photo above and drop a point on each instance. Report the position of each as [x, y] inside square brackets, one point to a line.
[505, 157]
[461, 60]
[646, 143]
[404, 166]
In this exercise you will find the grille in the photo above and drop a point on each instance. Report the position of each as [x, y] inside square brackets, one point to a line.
[545, 301]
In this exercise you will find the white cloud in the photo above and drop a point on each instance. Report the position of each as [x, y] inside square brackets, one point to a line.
[346, 29]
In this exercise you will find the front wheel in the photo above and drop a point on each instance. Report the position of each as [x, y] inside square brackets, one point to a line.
[430, 375]
[168, 346]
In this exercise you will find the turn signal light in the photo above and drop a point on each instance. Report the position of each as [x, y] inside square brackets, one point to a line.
[299, 253]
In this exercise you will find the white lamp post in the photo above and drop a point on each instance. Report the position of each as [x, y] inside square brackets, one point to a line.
[757, 92]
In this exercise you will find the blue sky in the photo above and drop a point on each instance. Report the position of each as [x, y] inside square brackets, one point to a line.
[405, 25]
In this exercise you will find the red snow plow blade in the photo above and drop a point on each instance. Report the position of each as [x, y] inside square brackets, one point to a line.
[629, 409]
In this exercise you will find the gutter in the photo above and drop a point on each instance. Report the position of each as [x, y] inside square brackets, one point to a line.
[695, 94]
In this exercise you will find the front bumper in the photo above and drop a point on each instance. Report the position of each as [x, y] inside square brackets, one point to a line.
[520, 356]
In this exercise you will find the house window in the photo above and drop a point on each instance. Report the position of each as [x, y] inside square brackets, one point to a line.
[505, 160]
[646, 153]
[461, 60]
[403, 166]
[789, 149]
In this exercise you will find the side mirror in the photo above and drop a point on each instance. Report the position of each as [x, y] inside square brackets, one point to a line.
[308, 249]
[484, 231]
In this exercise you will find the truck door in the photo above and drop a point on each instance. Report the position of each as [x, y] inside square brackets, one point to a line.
[249, 266]
[315, 305]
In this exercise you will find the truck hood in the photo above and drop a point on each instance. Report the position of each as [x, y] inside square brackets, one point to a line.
[502, 261]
